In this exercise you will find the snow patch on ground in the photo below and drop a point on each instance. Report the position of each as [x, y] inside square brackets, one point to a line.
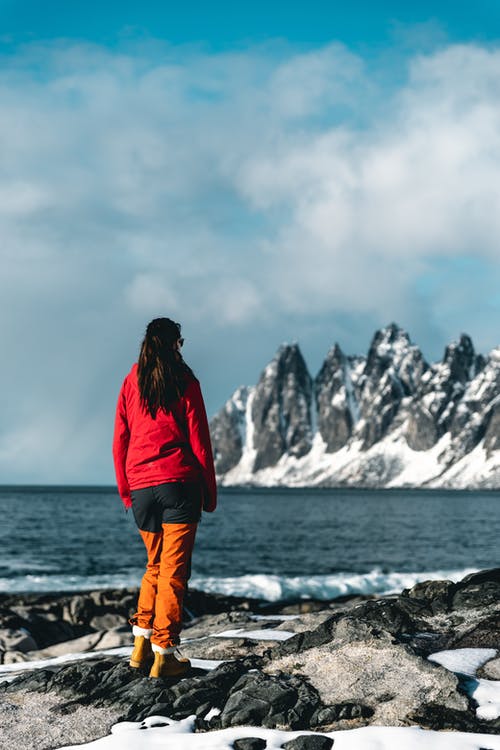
[157, 731]
[466, 661]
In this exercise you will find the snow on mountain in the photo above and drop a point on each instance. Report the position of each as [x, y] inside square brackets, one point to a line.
[385, 419]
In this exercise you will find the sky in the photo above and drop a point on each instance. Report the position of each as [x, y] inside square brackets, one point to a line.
[261, 173]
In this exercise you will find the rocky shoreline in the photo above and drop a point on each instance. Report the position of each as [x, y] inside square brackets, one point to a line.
[304, 665]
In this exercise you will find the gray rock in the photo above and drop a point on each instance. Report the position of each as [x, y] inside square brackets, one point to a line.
[329, 715]
[439, 718]
[16, 640]
[224, 648]
[207, 625]
[107, 621]
[478, 590]
[75, 645]
[249, 743]
[436, 596]
[490, 670]
[13, 657]
[270, 701]
[79, 609]
[484, 634]
[309, 742]
[373, 672]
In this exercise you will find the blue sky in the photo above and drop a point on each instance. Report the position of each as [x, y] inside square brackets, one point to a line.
[276, 172]
[360, 24]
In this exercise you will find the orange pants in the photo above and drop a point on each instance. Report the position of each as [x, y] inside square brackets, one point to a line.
[164, 582]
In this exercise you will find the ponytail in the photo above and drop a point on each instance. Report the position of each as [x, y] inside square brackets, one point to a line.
[161, 372]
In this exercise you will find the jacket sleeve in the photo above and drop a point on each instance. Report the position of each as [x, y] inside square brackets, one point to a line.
[121, 439]
[199, 438]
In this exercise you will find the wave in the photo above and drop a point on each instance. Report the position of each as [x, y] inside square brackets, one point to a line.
[271, 588]
[59, 582]
[275, 588]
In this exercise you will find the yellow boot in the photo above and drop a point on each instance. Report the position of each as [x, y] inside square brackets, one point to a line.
[167, 664]
[142, 654]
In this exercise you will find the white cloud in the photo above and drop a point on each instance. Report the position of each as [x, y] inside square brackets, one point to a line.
[150, 295]
[232, 190]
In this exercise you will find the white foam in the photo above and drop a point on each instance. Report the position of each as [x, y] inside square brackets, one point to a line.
[271, 588]
[275, 588]
[43, 583]
[159, 732]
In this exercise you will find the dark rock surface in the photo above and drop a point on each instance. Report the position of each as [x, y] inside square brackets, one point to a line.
[308, 742]
[350, 665]
[249, 743]
[270, 701]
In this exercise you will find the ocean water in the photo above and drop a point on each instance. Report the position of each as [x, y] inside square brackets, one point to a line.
[274, 544]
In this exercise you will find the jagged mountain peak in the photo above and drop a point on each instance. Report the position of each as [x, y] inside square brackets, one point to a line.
[288, 356]
[239, 398]
[390, 346]
[459, 356]
[392, 353]
[281, 408]
[363, 418]
[494, 355]
[335, 355]
[389, 337]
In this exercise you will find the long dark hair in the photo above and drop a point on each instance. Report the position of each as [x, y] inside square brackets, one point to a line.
[161, 371]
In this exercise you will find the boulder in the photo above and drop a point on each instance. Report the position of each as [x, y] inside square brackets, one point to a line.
[374, 672]
[270, 700]
[309, 742]
[484, 634]
[478, 590]
[249, 743]
[107, 621]
[16, 640]
[490, 670]
[435, 595]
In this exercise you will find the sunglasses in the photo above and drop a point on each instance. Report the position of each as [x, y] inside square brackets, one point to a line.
[180, 341]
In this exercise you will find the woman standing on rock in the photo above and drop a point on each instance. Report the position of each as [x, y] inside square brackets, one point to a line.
[165, 473]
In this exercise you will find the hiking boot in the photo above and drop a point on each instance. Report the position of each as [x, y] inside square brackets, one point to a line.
[169, 665]
[142, 653]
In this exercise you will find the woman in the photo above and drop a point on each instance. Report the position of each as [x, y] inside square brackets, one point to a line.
[165, 472]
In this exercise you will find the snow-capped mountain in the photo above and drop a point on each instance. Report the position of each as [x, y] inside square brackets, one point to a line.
[385, 419]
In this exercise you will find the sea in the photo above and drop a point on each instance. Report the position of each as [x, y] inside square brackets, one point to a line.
[273, 544]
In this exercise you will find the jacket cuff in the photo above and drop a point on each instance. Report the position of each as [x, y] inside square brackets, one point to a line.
[127, 501]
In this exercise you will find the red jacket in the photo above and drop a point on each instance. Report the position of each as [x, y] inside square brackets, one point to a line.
[174, 446]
